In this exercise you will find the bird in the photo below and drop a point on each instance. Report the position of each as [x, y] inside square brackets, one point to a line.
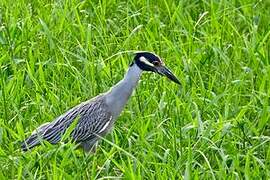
[96, 117]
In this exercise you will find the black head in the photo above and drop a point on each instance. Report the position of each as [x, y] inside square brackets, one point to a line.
[148, 61]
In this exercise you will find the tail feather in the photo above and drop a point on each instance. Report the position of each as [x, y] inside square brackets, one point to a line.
[31, 142]
[35, 138]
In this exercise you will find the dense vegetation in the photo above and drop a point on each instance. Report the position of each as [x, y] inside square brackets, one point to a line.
[56, 54]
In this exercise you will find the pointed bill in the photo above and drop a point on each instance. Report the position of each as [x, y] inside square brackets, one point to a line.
[163, 70]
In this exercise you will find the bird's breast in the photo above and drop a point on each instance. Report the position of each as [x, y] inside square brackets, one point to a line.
[117, 103]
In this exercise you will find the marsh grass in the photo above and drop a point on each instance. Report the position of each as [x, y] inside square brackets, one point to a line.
[56, 54]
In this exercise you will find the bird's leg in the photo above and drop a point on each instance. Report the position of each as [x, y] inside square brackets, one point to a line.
[94, 148]
[89, 146]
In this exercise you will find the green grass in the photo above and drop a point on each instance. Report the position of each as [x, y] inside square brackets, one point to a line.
[56, 54]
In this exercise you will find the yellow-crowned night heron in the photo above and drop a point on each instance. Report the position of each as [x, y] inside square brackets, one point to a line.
[96, 116]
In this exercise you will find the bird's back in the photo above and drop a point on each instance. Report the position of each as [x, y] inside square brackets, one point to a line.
[94, 119]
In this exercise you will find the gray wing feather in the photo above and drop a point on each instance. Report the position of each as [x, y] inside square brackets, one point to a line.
[90, 126]
[93, 115]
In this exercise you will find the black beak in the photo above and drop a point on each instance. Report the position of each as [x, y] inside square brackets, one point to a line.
[163, 70]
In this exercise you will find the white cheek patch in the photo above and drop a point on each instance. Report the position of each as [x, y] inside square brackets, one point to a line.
[145, 61]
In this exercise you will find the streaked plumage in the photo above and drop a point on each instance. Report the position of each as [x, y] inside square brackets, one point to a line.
[97, 115]
[93, 116]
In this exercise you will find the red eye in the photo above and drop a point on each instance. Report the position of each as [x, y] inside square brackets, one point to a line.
[156, 63]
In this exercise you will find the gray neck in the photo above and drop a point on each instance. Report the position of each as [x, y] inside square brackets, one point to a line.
[118, 95]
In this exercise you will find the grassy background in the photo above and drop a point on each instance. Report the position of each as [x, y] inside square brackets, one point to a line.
[56, 54]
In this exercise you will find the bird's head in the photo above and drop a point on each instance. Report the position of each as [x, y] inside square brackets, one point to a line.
[148, 61]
